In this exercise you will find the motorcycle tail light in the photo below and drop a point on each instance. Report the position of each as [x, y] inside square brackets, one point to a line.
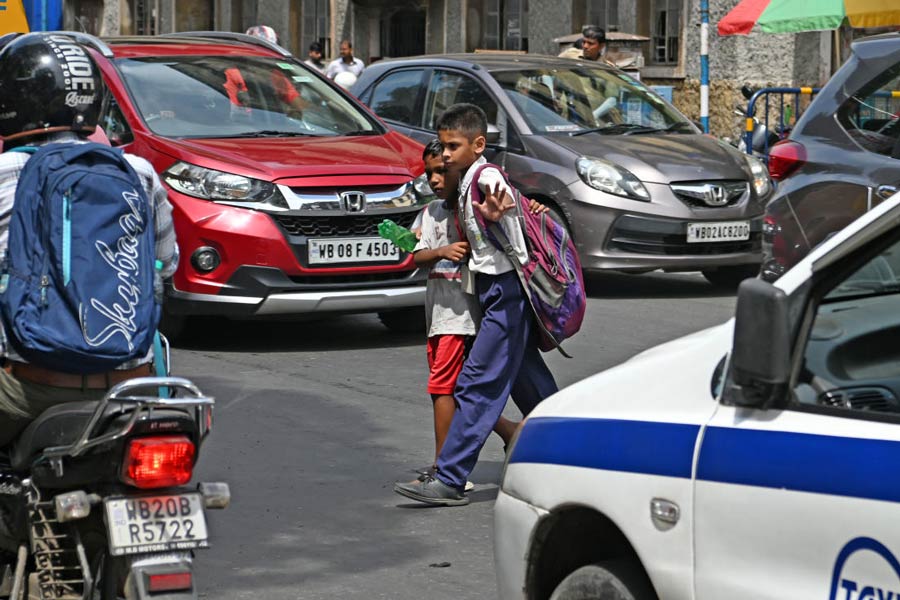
[169, 582]
[156, 462]
[785, 157]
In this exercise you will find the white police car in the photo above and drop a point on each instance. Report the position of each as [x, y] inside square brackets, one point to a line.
[757, 459]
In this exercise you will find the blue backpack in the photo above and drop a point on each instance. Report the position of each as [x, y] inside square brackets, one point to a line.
[76, 290]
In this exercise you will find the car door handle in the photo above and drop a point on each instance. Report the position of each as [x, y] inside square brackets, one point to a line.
[886, 191]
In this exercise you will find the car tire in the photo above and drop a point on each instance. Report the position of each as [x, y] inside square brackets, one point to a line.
[730, 277]
[611, 580]
[404, 320]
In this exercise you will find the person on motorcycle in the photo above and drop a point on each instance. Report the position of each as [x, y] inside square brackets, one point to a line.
[51, 92]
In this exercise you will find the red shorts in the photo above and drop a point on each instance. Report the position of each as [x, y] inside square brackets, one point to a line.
[446, 354]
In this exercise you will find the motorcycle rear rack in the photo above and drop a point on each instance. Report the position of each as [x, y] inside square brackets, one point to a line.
[124, 394]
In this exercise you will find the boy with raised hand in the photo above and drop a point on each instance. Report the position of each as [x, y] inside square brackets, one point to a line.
[504, 358]
[451, 315]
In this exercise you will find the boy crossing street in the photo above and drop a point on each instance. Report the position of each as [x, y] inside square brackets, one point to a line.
[504, 358]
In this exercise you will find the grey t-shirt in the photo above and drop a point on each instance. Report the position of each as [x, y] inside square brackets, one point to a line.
[448, 310]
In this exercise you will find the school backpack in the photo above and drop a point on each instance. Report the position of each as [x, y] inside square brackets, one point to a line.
[76, 290]
[552, 277]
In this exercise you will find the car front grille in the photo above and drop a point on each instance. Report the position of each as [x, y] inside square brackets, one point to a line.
[340, 225]
[710, 194]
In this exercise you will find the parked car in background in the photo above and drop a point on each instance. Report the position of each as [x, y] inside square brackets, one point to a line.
[637, 184]
[725, 464]
[278, 178]
[842, 157]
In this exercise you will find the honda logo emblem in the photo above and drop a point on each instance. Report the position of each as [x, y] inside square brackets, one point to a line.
[715, 195]
[353, 201]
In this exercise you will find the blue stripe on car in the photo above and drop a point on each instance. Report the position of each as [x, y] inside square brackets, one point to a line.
[822, 464]
[610, 444]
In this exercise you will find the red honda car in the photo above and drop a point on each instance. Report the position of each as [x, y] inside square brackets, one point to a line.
[278, 179]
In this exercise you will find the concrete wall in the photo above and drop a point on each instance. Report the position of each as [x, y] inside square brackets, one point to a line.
[760, 59]
[548, 19]
[454, 28]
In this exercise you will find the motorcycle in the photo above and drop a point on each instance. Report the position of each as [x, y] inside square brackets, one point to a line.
[762, 138]
[95, 499]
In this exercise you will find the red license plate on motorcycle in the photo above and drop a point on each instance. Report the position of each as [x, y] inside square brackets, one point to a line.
[155, 524]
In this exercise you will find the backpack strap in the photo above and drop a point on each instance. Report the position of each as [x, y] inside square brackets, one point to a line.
[24, 149]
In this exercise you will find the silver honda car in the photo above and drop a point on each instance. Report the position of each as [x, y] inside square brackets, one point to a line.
[638, 185]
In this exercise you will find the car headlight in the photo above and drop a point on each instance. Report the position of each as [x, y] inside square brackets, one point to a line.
[761, 182]
[612, 179]
[423, 190]
[210, 184]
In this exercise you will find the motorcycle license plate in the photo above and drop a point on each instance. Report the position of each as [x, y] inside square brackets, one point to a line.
[156, 524]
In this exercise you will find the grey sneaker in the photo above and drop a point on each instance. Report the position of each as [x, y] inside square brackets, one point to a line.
[430, 473]
[431, 491]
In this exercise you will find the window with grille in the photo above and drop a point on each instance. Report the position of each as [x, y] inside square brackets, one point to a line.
[603, 13]
[666, 31]
[315, 26]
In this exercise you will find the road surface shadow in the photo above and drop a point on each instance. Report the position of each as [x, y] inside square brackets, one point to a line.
[319, 334]
[652, 285]
[313, 513]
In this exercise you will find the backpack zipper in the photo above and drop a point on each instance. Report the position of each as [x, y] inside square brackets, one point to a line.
[67, 237]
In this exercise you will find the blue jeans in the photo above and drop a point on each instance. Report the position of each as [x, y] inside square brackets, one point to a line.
[503, 361]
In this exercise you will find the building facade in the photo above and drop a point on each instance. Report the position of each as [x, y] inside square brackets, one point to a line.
[391, 28]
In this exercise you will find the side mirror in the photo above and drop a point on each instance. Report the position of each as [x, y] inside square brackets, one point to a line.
[493, 135]
[761, 354]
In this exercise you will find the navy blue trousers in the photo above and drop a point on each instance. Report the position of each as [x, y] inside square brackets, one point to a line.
[503, 361]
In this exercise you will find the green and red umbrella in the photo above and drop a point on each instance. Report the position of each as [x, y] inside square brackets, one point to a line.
[789, 16]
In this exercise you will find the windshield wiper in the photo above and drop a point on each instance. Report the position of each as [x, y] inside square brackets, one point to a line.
[270, 133]
[678, 125]
[618, 129]
[361, 132]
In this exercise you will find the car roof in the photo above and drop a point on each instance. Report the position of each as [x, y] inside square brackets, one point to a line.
[884, 44]
[175, 45]
[492, 61]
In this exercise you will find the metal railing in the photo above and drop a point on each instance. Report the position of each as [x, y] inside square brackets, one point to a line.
[785, 109]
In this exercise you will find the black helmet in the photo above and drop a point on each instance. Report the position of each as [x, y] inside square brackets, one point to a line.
[48, 82]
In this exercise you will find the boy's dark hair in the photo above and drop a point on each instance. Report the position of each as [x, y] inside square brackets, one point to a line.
[463, 117]
[315, 47]
[433, 148]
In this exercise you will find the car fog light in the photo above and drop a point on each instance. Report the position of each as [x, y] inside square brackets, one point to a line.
[72, 506]
[205, 259]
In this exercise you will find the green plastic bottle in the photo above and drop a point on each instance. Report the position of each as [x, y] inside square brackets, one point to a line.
[402, 237]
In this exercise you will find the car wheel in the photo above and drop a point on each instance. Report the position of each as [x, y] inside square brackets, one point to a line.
[405, 320]
[730, 277]
[612, 580]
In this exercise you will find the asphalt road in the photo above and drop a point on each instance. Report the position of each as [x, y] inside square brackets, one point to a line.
[316, 420]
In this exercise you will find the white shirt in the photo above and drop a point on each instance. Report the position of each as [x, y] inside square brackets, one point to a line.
[448, 310]
[339, 66]
[486, 257]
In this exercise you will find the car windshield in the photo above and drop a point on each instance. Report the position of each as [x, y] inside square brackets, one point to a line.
[238, 96]
[581, 99]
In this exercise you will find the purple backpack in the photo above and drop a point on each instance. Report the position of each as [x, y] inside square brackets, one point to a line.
[552, 278]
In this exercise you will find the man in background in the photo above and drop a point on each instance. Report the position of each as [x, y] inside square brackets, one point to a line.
[347, 63]
[314, 57]
[593, 46]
